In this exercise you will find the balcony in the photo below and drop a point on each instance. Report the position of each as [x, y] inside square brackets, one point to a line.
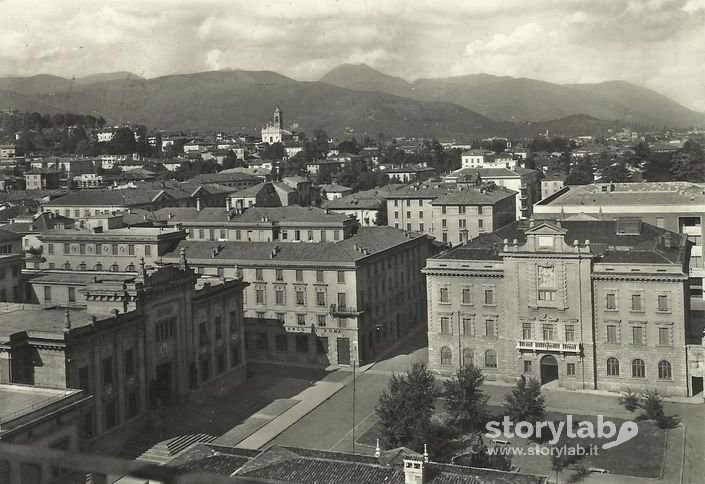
[343, 311]
[552, 346]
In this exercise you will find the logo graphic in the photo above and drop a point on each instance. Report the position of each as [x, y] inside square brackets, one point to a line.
[604, 429]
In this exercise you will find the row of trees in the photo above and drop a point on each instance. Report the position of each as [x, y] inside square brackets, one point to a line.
[406, 412]
[12, 122]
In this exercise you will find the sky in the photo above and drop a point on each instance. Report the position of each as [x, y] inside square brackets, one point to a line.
[659, 44]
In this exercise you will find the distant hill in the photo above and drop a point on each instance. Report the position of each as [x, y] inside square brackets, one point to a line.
[521, 99]
[237, 99]
[107, 76]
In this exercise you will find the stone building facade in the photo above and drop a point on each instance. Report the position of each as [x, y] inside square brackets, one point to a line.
[591, 304]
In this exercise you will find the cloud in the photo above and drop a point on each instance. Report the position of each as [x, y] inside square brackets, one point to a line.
[657, 43]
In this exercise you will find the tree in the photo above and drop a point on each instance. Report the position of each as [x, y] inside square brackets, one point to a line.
[405, 408]
[526, 403]
[616, 172]
[629, 400]
[689, 163]
[123, 142]
[581, 174]
[465, 400]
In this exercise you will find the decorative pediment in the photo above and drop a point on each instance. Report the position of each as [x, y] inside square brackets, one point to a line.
[545, 228]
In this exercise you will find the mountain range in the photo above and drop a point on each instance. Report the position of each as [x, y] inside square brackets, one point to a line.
[352, 98]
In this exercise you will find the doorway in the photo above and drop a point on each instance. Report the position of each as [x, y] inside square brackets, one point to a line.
[697, 385]
[343, 351]
[549, 369]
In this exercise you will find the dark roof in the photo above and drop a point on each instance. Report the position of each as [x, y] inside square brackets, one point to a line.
[290, 213]
[223, 177]
[8, 235]
[648, 246]
[492, 172]
[371, 240]
[472, 196]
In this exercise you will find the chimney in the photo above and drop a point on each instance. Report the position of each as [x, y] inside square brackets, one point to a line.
[198, 204]
[413, 470]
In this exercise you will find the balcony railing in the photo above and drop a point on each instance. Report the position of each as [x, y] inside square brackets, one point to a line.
[343, 311]
[559, 346]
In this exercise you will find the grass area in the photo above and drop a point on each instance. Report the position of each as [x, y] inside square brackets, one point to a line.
[641, 456]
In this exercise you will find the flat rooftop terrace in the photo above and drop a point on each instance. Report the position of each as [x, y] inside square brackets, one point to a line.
[656, 193]
[19, 400]
[37, 320]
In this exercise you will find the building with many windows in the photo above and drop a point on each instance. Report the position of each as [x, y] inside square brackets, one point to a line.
[451, 213]
[259, 224]
[134, 344]
[524, 181]
[323, 302]
[10, 266]
[591, 304]
[675, 206]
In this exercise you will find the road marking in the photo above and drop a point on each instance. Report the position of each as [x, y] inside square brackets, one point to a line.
[351, 431]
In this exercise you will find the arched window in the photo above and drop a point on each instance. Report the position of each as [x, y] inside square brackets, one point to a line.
[114, 268]
[67, 266]
[490, 359]
[664, 370]
[612, 367]
[82, 266]
[446, 356]
[467, 357]
[98, 267]
[130, 268]
[638, 368]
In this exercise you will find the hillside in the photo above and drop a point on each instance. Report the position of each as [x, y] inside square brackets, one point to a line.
[522, 99]
[244, 100]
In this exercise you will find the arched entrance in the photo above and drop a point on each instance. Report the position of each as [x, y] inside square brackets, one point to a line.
[549, 369]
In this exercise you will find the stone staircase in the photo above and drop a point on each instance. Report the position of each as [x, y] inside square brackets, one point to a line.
[164, 451]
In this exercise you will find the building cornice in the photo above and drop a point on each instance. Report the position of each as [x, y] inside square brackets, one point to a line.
[640, 276]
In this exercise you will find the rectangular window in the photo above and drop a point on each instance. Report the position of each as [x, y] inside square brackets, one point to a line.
[50, 248]
[662, 302]
[489, 297]
[664, 337]
[638, 336]
[421, 227]
[420, 214]
[299, 275]
[218, 327]
[259, 296]
[611, 301]
[129, 362]
[301, 319]
[259, 275]
[341, 277]
[467, 295]
[526, 331]
[297, 235]
[47, 293]
[527, 366]
[279, 295]
[490, 328]
[72, 294]
[115, 249]
[444, 295]
[300, 296]
[202, 334]
[67, 248]
[336, 235]
[467, 326]
[319, 276]
[147, 250]
[342, 300]
[279, 275]
[570, 369]
[131, 249]
[612, 333]
[461, 209]
[321, 320]
[548, 332]
[444, 223]
[108, 370]
[445, 325]
[320, 298]
[223, 234]
[282, 342]
[545, 295]
[281, 317]
[570, 333]
[637, 302]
